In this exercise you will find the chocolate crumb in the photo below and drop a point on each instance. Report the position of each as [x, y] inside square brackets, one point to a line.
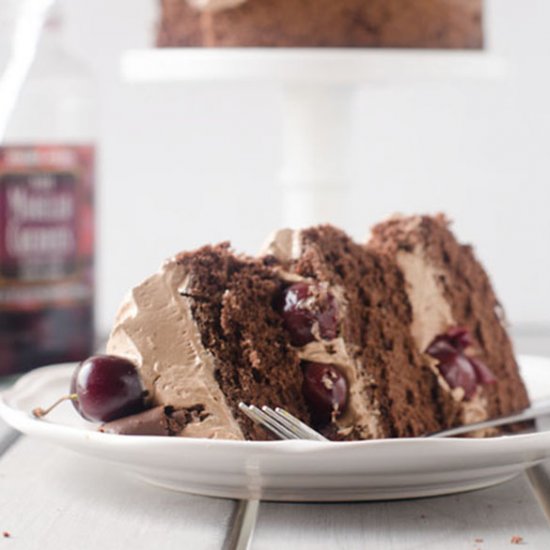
[329, 348]
[516, 539]
[6, 534]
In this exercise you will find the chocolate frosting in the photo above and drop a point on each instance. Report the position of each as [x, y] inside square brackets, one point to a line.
[155, 329]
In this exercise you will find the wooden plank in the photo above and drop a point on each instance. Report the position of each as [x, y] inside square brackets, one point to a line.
[51, 498]
[483, 519]
[539, 476]
[536, 341]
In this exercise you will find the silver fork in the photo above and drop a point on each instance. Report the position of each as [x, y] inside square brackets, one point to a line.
[280, 422]
[286, 426]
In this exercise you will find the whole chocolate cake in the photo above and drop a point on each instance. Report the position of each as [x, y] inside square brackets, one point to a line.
[398, 338]
[321, 23]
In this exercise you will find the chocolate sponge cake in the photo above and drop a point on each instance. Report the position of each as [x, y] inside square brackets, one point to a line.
[232, 304]
[457, 318]
[392, 391]
[321, 23]
[204, 335]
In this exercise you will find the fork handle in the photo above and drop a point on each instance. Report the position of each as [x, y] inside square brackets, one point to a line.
[538, 409]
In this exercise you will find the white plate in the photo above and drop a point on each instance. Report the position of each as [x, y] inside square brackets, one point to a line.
[286, 470]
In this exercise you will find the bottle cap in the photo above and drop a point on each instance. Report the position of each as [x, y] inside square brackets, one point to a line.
[54, 19]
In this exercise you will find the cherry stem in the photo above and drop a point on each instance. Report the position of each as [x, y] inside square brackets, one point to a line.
[39, 412]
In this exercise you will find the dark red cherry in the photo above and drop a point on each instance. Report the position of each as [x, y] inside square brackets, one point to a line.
[459, 373]
[298, 318]
[456, 367]
[305, 304]
[325, 390]
[459, 337]
[445, 346]
[107, 387]
[327, 317]
[483, 373]
[442, 350]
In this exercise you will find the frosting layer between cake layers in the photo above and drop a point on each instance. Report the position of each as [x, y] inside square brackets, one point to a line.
[432, 316]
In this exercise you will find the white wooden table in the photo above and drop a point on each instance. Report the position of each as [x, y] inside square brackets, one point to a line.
[53, 499]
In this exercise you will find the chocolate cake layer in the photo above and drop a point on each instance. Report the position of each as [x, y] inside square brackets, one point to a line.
[426, 244]
[232, 304]
[322, 23]
[395, 380]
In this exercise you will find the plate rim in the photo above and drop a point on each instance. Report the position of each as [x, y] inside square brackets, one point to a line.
[26, 423]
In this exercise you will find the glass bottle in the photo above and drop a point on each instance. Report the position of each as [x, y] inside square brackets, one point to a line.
[47, 158]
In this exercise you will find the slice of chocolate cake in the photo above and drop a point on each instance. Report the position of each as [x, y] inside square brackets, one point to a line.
[205, 335]
[346, 308]
[398, 338]
[318, 325]
[457, 319]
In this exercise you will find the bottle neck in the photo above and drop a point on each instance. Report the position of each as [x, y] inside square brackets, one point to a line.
[52, 36]
[46, 17]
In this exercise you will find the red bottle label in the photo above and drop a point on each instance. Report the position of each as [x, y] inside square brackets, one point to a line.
[46, 233]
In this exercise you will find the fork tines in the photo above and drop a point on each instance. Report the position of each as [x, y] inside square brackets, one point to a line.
[280, 422]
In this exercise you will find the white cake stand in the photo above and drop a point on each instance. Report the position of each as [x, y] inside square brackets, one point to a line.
[318, 86]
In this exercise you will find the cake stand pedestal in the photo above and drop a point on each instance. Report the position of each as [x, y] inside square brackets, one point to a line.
[318, 87]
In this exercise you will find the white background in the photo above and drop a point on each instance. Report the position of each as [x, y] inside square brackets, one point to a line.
[184, 165]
